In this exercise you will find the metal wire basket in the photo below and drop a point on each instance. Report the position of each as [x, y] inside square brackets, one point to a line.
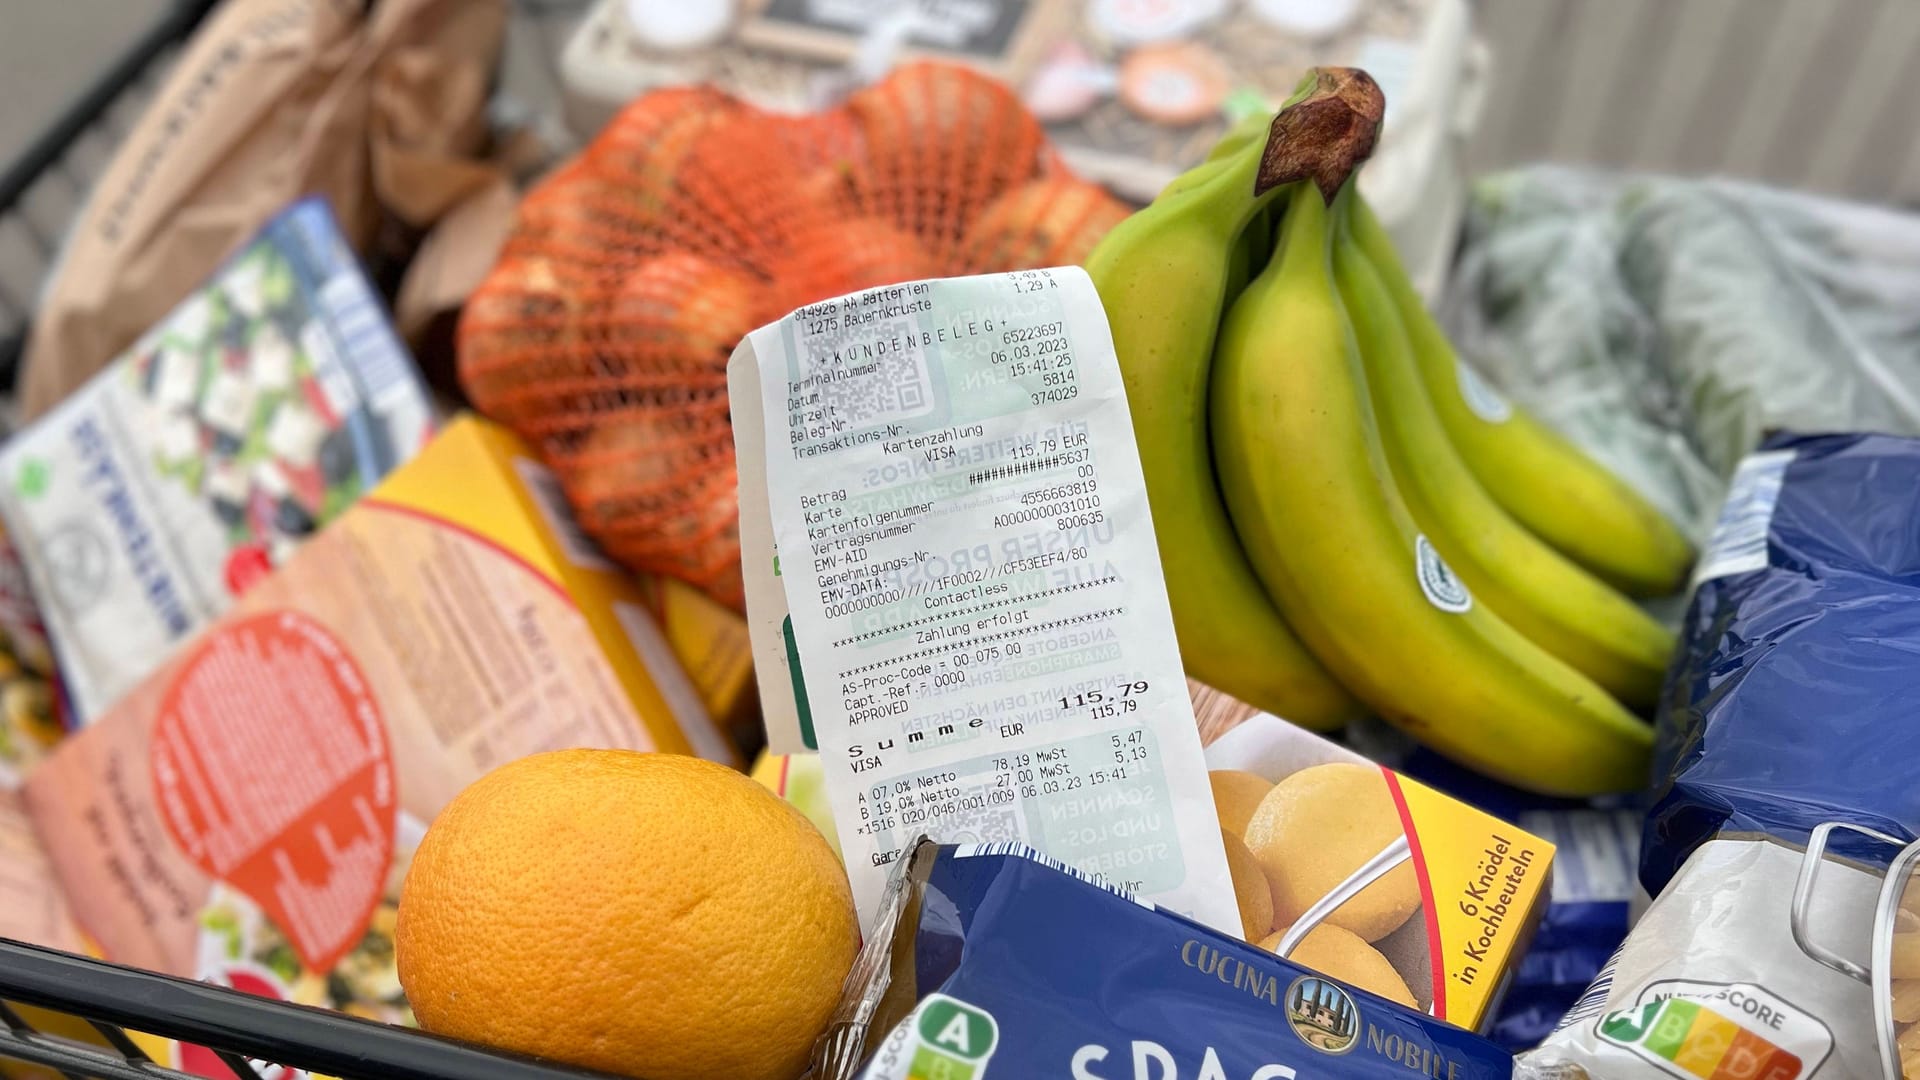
[255, 1037]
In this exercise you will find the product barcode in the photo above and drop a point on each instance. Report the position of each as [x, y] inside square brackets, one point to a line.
[1739, 542]
[1019, 850]
[367, 341]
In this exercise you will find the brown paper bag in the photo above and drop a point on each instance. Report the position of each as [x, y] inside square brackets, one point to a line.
[379, 107]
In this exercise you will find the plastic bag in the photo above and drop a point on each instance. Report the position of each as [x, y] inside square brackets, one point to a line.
[1667, 325]
[989, 959]
[603, 333]
[1787, 739]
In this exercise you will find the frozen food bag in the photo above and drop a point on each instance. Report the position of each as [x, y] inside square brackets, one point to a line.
[260, 408]
[990, 960]
[1778, 946]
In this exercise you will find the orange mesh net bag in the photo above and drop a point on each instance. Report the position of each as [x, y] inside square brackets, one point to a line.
[603, 332]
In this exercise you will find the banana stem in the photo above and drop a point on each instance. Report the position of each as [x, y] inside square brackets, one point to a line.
[1241, 173]
[1325, 133]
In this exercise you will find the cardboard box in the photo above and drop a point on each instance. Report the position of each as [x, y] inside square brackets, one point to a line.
[247, 814]
[711, 641]
[1482, 884]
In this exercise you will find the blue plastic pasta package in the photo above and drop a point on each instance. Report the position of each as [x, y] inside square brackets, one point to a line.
[1782, 942]
[990, 961]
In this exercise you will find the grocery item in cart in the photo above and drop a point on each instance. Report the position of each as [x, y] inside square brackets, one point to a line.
[685, 923]
[602, 335]
[245, 815]
[377, 108]
[1131, 92]
[253, 414]
[1779, 943]
[992, 960]
[30, 722]
[1375, 879]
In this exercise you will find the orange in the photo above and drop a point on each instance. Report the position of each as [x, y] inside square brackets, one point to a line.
[1055, 221]
[647, 914]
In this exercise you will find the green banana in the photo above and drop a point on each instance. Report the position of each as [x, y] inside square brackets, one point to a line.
[1567, 498]
[1241, 135]
[1162, 276]
[1540, 592]
[1240, 140]
[1308, 489]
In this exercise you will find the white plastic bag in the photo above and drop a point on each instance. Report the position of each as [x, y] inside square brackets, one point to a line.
[1666, 325]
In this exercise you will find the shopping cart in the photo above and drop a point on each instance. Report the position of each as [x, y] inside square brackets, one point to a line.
[253, 1036]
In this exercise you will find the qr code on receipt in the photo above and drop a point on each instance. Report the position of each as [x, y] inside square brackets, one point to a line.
[875, 373]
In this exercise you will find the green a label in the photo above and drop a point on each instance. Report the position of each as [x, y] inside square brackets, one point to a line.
[955, 1039]
[1628, 1025]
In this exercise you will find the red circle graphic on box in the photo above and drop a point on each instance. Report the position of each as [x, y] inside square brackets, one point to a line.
[272, 772]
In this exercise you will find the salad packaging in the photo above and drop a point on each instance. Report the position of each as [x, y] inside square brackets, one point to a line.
[253, 414]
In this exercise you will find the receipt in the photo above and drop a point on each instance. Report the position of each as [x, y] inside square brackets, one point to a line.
[975, 619]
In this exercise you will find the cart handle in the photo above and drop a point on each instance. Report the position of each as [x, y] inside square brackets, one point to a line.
[298, 1036]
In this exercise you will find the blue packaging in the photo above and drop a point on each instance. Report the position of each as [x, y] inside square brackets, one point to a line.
[991, 961]
[1792, 702]
[1787, 741]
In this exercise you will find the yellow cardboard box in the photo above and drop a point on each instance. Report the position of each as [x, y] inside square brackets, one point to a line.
[479, 479]
[712, 644]
[1469, 889]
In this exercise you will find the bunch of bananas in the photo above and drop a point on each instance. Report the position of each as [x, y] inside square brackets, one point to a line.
[1348, 519]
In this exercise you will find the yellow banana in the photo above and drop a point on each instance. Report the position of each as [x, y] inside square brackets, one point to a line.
[1540, 592]
[1162, 276]
[1545, 482]
[1308, 488]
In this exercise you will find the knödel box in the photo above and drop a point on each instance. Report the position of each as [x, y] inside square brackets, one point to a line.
[1459, 891]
